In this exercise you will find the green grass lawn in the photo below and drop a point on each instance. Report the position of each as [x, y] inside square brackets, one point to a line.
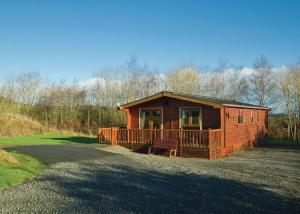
[12, 174]
[44, 139]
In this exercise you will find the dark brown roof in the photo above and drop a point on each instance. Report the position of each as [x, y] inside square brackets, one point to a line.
[211, 101]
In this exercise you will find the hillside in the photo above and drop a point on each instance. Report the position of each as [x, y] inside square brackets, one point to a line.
[5, 156]
[15, 125]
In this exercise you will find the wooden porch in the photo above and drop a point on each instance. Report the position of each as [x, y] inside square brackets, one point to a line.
[191, 143]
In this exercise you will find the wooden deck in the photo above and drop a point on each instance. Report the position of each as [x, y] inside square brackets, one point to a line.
[191, 143]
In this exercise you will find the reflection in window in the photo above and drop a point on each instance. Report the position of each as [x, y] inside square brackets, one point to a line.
[145, 120]
[185, 117]
[156, 119]
[195, 117]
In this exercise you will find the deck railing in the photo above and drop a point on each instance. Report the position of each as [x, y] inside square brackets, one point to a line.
[203, 139]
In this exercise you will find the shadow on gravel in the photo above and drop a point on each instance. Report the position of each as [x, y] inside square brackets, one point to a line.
[121, 189]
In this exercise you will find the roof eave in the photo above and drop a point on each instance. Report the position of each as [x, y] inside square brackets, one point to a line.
[171, 95]
[146, 99]
[245, 106]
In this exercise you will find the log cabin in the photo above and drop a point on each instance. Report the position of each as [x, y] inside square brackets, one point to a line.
[204, 127]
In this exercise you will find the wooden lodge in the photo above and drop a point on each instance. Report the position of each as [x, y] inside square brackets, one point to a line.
[204, 127]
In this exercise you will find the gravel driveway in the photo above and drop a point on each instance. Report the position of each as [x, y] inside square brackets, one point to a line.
[262, 180]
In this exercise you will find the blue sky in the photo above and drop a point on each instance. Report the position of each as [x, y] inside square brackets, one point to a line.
[73, 39]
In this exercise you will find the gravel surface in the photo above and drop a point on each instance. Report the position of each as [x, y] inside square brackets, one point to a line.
[257, 180]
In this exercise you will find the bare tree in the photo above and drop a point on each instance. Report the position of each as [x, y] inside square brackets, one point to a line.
[28, 87]
[9, 87]
[287, 93]
[9, 94]
[97, 94]
[217, 84]
[184, 79]
[237, 84]
[296, 111]
[262, 81]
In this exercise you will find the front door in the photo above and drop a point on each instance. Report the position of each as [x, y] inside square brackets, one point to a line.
[151, 119]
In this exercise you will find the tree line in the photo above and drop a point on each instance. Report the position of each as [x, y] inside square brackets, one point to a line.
[84, 106]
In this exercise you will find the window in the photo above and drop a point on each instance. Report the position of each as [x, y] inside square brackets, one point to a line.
[151, 119]
[240, 116]
[190, 117]
[252, 117]
[257, 115]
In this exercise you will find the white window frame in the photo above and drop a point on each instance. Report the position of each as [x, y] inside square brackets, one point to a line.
[194, 107]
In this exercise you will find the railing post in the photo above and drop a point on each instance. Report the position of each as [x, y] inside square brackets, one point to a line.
[99, 135]
[111, 135]
[209, 143]
[131, 144]
[180, 140]
[128, 139]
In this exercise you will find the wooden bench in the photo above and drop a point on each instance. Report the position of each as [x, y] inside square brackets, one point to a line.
[170, 145]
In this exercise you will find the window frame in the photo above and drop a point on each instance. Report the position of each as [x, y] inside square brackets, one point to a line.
[151, 109]
[190, 118]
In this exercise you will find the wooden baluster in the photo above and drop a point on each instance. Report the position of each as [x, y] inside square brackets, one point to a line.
[197, 138]
[200, 137]
[193, 138]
